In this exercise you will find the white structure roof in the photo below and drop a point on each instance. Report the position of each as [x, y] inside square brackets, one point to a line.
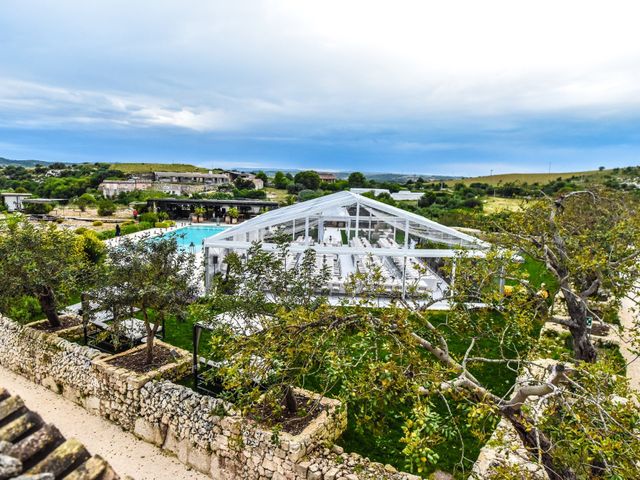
[300, 217]
[404, 195]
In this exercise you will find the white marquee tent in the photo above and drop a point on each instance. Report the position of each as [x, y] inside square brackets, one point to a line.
[349, 233]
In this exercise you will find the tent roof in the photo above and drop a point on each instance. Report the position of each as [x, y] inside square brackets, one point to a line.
[328, 206]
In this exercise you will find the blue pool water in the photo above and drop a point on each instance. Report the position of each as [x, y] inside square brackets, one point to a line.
[192, 233]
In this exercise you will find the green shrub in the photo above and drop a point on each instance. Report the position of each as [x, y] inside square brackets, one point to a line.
[80, 230]
[149, 217]
[127, 222]
[96, 223]
[85, 200]
[165, 224]
[24, 309]
[59, 220]
[38, 208]
[106, 208]
[92, 246]
[126, 230]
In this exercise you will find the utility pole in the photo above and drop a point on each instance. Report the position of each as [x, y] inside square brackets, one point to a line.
[494, 187]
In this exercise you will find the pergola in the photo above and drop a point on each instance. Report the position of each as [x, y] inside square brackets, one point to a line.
[350, 233]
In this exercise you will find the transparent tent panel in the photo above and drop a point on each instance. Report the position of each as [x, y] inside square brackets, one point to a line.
[351, 233]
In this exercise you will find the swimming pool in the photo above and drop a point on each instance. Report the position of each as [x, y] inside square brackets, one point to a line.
[193, 234]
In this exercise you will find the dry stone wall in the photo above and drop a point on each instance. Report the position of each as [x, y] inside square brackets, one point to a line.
[203, 432]
[49, 360]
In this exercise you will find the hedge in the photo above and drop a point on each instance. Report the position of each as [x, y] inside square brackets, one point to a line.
[125, 230]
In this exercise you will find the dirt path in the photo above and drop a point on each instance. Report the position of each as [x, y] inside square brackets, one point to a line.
[127, 454]
[629, 323]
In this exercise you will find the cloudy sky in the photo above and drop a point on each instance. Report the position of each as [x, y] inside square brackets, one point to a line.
[455, 87]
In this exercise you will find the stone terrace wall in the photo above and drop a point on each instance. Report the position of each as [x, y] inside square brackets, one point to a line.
[49, 360]
[208, 435]
[203, 432]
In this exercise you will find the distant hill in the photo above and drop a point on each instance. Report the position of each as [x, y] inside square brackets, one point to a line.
[23, 163]
[405, 177]
[378, 176]
[531, 178]
[156, 167]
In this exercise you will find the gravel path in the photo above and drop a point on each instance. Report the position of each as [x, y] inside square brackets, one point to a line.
[127, 454]
[628, 320]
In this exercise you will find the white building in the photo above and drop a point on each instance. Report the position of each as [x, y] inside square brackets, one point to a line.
[14, 201]
[406, 195]
[351, 233]
[113, 188]
[401, 196]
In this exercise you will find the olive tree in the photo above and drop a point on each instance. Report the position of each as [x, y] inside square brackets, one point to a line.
[590, 242]
[258, 293]
[85, 200]
[45, 261]
[281, 330]
[150, 274]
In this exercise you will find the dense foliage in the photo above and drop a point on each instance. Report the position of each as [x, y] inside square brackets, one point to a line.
[45, 262]
[435, 375]
[590, 243]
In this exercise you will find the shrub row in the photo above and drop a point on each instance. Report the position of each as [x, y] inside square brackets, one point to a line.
[126, 229]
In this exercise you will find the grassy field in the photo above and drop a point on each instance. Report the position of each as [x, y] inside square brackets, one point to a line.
[526, 177]
[276, 195]
[156, 167]
[498, 204]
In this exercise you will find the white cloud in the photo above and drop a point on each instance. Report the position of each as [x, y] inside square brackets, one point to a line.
[227, 66]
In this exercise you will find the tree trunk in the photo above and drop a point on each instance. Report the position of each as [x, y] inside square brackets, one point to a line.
[86, 307]
[537, 444]
[150, 337]
[149, 350]
[583, 349]
[290, 400]
[47, 301]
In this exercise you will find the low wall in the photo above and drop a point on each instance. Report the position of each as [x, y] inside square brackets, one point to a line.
[49, 360]
[504, 448]
[203, 432]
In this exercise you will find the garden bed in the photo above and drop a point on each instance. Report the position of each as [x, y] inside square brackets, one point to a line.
[136, 358]
[292, 423]
[66, 322]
